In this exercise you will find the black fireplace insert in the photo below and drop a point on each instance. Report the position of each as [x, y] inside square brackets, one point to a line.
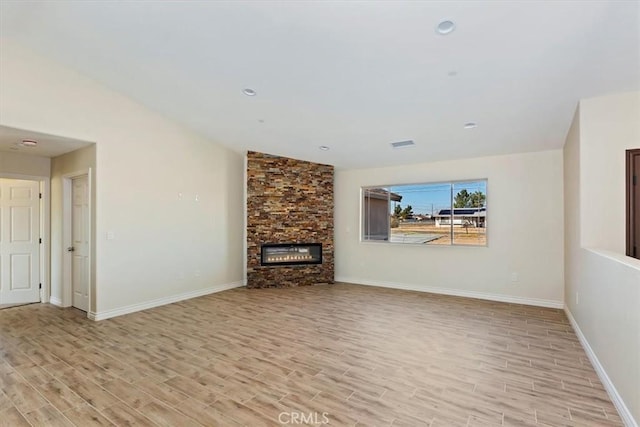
[290, 253]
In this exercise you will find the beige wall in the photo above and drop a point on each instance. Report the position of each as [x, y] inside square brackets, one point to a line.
[572, 212]
[609, 125]
[165, 246]
[21, 164]
[602, 285]
[525, 228]
[70, 163]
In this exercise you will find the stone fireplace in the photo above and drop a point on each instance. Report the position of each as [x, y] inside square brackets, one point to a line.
[289, 222]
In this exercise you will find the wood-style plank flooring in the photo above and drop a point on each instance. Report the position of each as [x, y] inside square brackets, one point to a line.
[346, 354]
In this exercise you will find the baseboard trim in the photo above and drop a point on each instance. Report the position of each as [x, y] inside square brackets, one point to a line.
[457, 292]
[107, 314]
[624, 412]
[55, 301]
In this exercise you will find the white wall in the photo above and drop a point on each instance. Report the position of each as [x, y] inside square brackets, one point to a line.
[602, 290]
[525, 229]
[165, 247]
[22, 164]
[75, 161]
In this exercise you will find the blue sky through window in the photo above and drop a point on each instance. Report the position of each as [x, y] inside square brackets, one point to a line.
[430, 198]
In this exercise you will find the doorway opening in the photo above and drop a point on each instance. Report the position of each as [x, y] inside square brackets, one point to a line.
[49, 161]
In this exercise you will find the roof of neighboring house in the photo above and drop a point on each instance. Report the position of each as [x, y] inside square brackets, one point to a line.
[463, 212]
[379, 193]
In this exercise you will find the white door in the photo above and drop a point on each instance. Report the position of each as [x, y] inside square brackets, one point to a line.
[19, 241]
[79, 250]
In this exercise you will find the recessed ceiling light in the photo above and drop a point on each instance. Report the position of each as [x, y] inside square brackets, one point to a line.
[323, 148]
[28, 143]
[470, 125]
[445, 27]
[402, 144]
[260, 120]
[249, 92]
[452, 73]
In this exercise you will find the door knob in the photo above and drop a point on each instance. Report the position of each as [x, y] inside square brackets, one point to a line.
[71, 249]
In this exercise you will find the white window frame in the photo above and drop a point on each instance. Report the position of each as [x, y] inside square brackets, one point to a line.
[452, 183]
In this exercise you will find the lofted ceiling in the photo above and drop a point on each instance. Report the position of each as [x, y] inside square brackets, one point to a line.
[351, 76]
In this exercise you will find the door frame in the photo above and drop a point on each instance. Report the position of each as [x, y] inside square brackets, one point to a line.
[630, 199]
[67, 209]
[45, 229]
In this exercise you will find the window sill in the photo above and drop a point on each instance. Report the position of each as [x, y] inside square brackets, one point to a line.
[385, 243]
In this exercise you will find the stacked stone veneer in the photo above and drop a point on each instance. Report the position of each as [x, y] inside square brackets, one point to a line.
[288, 201]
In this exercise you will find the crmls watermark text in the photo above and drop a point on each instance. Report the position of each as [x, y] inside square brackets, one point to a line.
[295, 417]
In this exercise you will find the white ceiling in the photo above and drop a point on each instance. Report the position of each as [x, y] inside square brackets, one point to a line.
[47, 145]
[354, 76]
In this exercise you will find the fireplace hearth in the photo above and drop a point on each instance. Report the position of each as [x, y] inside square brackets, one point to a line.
[290, 254]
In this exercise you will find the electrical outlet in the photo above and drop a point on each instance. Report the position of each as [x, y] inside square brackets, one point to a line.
[514, 277]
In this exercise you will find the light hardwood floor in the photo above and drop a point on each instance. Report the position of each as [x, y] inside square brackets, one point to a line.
[3, 306]
[357, 355]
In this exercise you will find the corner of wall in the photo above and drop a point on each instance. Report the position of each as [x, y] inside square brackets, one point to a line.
[601, 293]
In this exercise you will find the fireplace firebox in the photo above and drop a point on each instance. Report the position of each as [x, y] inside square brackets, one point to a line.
[291, 253]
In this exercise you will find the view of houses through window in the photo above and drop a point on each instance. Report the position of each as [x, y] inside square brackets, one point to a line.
[433, 214]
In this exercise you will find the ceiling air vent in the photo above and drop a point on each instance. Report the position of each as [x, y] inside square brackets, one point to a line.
[402, 144]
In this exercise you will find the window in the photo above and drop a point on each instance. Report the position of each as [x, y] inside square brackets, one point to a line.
[446, 213]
